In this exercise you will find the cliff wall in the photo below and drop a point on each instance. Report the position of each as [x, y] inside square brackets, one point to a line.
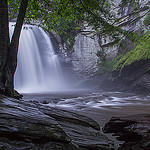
[84, 58]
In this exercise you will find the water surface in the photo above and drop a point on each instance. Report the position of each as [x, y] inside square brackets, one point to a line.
[100, 106]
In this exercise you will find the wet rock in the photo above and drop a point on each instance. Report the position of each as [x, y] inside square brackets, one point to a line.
[142, 84]
[20, 121]
[136, 77]
[65, 116]
[26, 125]
[134, 130]
[83, 131]
[45, 102]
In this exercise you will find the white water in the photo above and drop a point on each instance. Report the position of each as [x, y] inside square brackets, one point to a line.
[38, 67]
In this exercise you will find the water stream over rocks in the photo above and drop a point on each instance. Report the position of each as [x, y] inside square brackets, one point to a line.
[81, 101]
[100, 106]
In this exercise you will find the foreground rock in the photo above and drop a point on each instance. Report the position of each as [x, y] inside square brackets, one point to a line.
[25, 125]
[134, 130]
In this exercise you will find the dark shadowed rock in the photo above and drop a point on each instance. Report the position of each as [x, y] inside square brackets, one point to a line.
[132, 78]
[134, 130]
[25, 125]
[142, 84]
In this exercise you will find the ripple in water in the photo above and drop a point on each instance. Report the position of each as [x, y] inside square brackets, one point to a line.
[101, 101]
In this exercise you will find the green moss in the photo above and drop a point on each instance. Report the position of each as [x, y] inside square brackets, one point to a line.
[102, 55]
[140, 52]
[69, 36]
[16, 95]
[69, 40]
[106, 67]
[147, 20]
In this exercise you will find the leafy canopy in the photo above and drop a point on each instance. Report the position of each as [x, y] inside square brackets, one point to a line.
[66, 17]
[61, 14]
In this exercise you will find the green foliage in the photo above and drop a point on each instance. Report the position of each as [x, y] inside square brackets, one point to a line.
[140, 52]
[13, 8]
[66, 16]
[147, 19]
[106, 66]
[102, 55]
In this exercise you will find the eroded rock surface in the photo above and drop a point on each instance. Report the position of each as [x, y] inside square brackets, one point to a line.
[134, 130]
[27, 125]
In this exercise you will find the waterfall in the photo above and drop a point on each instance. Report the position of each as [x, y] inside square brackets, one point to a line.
[38, 68]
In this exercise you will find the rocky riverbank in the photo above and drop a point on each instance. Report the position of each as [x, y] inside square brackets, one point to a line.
[134, 130]
[27, 125]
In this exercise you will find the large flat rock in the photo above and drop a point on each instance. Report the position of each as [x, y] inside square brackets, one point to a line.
[26, 125]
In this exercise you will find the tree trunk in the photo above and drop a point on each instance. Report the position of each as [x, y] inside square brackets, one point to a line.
[4, 41]
[9, 50]
[13, 51]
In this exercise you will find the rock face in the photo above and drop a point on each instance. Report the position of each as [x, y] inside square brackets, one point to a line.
[84, 57]
[134, 130]
[133, 78]
[25, 125]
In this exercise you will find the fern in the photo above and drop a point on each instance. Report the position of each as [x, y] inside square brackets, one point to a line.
[140, 52]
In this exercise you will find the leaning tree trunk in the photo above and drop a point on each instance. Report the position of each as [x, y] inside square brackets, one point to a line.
[13, 51]
[9, 50]
[4, 42]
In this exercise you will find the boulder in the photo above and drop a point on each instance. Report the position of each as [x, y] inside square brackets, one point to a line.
[134, 130]
[142, 84]
[26, 125]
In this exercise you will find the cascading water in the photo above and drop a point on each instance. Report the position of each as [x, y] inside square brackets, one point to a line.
[38, 68]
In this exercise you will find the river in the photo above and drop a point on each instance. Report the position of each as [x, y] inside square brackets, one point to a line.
[100, 105]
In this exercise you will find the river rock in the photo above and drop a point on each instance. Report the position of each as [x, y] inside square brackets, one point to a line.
[134, 130]
[26, 125]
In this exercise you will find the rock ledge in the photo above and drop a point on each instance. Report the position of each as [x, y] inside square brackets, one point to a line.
[25, 125]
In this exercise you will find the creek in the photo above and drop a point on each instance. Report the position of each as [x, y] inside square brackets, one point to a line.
[100, 105]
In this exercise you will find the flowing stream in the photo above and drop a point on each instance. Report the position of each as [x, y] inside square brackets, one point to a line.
[100, 105]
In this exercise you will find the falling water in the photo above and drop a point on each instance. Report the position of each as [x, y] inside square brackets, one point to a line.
[38, 68]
